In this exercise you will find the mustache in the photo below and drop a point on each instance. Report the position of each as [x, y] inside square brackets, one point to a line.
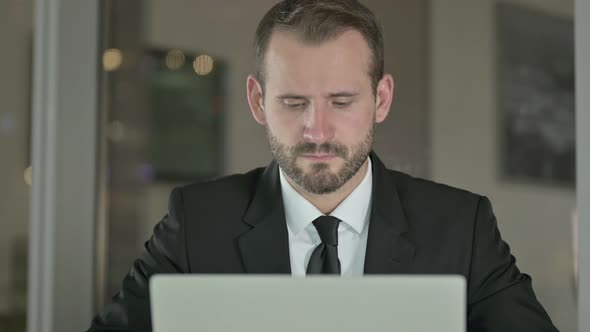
[312, 148]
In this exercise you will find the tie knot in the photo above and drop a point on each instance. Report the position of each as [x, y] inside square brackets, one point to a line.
[327, 227]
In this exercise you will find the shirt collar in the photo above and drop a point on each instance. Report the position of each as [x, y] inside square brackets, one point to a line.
[299, 212]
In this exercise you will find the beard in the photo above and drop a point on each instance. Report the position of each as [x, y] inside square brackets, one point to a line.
[320, 179]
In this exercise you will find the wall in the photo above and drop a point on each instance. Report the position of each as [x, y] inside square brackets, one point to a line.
[15, 38]
[534, 219]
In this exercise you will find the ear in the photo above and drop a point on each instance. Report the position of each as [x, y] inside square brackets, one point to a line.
[383, 97]
[255, 99]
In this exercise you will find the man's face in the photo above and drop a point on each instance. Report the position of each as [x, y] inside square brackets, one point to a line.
[318, 109]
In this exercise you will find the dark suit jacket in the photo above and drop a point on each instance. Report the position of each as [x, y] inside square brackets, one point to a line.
[236, 224]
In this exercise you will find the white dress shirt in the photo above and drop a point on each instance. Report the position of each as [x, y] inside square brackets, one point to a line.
[354, 214]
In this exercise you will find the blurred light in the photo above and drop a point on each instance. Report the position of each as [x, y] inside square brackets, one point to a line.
[203, 64]
[174, 59]
[112, 59]
[29, 176]
[116, 131]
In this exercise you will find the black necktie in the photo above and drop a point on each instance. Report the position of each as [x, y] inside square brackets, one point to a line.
[324, 259]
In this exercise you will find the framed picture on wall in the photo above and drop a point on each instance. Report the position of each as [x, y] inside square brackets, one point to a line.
[535, 86]
[186, 93]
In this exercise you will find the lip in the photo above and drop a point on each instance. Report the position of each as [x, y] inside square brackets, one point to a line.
[319, 157]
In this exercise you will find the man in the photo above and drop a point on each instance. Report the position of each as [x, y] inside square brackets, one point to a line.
[327, 204]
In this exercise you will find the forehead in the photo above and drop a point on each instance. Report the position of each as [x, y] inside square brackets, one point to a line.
[342, 62]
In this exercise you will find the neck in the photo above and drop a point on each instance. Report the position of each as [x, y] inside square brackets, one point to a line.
[328, 202]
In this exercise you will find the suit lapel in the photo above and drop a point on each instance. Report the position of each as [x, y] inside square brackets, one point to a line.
[265, 248]
[389, 251]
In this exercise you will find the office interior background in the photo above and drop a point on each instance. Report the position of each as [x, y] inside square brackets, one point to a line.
[485, 99]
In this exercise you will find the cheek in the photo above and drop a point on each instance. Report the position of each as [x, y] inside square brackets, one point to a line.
[356, 125]
[284, 125]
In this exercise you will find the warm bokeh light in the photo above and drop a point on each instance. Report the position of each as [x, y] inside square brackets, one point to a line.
[112, 59]
[203, 64]
[175, 59]
[28, 175]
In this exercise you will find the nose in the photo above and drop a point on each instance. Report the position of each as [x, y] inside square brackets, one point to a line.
[318, 125]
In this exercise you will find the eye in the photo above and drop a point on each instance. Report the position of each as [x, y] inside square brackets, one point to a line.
[341, 104]
[294, 104]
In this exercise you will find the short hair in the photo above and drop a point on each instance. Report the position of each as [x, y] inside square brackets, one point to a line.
[317, 21]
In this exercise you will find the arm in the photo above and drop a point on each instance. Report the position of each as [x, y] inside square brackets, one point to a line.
[165, 252]
[500, 298]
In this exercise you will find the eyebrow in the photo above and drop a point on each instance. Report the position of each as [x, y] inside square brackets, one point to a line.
[331, 95]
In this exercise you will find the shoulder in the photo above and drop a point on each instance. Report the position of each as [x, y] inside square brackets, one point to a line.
[235, 184]
[409, 185]
[235, 187]
[433, 197]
